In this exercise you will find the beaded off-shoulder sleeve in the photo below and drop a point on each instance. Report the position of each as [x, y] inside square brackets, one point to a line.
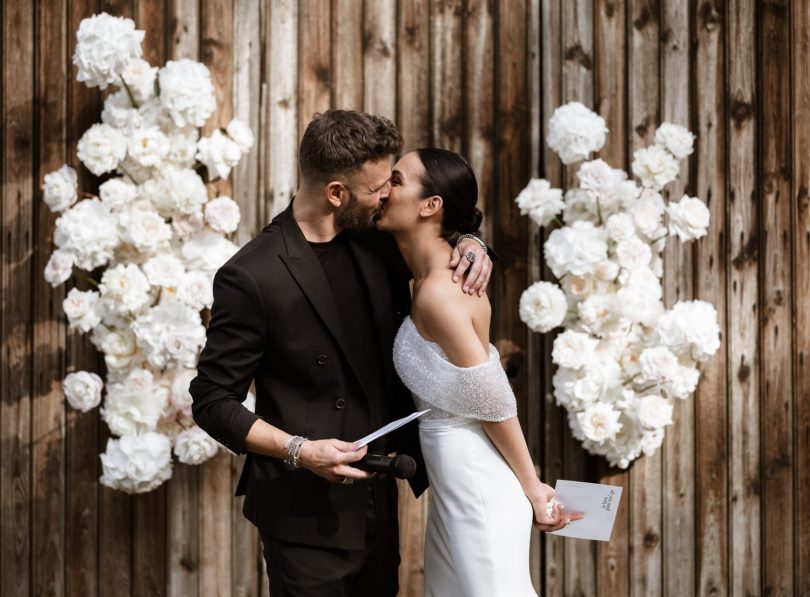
[480, 392]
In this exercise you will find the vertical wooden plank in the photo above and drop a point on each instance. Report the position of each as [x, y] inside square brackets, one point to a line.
[446, 74]
[279, 146]
[554, 423]
[413, 71]
[610, 85]
[16, 319]
[48, 410]
[379, 58]
[643, 118]
[347, 54]
[801, 257]
[149, 542]
[743, 305]
[314, 60]
[150, 16]
[412, 514]
[183, 29]
[775, 247]
[711, 491]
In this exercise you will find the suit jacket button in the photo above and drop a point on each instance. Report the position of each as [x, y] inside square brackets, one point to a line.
[340, 404]
[322, 359]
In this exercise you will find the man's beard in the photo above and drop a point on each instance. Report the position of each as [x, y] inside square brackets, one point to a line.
[355, 216]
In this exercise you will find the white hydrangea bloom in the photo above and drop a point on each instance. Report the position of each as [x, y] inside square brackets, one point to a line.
[104, 45]
[222, 214]
[59, 188]
[187, 92]
[82, 390]
[542, 306]
[676, 139]
[195, 446]
[689, 218]
[540, 202]
[137, 463]
[574, 132]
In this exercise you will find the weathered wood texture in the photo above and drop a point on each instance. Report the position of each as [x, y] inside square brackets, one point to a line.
[723, 508]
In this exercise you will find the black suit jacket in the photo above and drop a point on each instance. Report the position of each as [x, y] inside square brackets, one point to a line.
[274, 320]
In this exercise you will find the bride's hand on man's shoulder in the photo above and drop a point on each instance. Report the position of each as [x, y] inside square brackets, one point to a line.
[478, 270]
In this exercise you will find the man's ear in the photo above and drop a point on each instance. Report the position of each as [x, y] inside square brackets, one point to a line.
[432, 205]
[335, 193]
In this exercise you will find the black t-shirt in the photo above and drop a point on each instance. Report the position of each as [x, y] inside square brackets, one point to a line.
[353, 303]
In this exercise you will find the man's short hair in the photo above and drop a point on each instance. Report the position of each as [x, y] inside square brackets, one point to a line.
[339, 142]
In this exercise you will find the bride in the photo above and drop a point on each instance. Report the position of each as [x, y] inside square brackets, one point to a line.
[485, 490]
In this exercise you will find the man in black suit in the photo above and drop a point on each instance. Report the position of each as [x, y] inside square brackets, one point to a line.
[309, 309]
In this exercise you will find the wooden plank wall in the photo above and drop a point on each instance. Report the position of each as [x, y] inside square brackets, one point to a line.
[723, 508]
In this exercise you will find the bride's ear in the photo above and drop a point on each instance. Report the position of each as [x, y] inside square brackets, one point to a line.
[432, 205]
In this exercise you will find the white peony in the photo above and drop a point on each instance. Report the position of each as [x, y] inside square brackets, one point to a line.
[219, 154]
[87, 230]
[599, 422]
[185, 191]
[195, 446]
[140, 78]
[82, 309]
[59, 267]
[164, 270]
[651, 440]
[135, 404]
[598, 176]
[676, 139]
[654, 166]
[574, 132]
[606, 270]
[120, 113]
[196, 289]
[647, 213]
[117, 345]
[654, 411]
[581, 205]
[104, 45]
[144, 229]
[542, 306]
[575, 249]
[59, 188]
[137, 463]
[688, 218]
[125, 289]
[620, 227]
[187, 225]
[148, 146]
[690, 328]
[599, 313]
[83, 390]
[633, 253]
[186, 91]
[183, 146]
[241, 134]
[573, 349]
[540, 202]
[658, 364]
[101, 148]
[207, 251]
[683, 382]
[222, 214]
[116, 193]
[170, 332]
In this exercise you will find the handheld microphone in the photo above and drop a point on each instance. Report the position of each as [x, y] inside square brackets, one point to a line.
[400, 466]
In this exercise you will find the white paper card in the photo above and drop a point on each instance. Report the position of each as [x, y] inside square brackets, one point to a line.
[388, 429]
[596, 501]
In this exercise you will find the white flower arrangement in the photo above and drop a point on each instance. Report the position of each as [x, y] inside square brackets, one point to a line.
[158, 239]
[623, 358]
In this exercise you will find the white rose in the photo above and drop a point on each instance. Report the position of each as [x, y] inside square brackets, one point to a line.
[647, 213]
[170, 331]
[689, 218]
[658, 364]
[654, 411]
[219, 154]
[183, 146]
[639, 307]
[540, 201]
[573, 349]
[186, 190]
[195, 446]
[578, 286]
[651, 440]
[222, 214]
[164, 270]
[574, 132]
[137, 463]
[140, 77]
[606, 270]
[598, 176]
[88, 231]
[148, 146]
[683, 382]
[59, 188]
[207, 251]
[598, 312]
[196, 289]
[187, 225]
[119, 113]
[542, 306]
[180, 396]
[241, 134]
[135, 404]
[575, 249]
[580, 205]
[633, 253]
[104, 45]
[186, 91]
[117, 193]
[117, 345]
[690, 328]
[654, 166]
[83, 390]
[125, 289]
[676, 139]
[101, 147]
[59, 267]
[145, 230]
[81, 309]
[620, 227]
[599, 422]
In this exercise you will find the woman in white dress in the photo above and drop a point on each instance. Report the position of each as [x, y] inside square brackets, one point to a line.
[485, 492]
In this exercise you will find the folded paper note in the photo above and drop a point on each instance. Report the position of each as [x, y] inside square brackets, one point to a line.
[387, 429]
[597, 502]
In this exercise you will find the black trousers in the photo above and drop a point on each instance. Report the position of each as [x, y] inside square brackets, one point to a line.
[297, 570]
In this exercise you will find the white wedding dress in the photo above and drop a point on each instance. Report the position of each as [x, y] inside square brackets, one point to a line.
[479, 520]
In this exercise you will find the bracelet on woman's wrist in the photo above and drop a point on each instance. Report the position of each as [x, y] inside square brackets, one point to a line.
[293, 446]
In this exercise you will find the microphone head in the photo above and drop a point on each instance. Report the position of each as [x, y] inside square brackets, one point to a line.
[403, 466]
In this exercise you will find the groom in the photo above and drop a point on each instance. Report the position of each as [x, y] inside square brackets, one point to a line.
[309, 309]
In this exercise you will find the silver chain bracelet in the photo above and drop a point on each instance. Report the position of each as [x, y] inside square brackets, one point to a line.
[472, 237]
[293, 447]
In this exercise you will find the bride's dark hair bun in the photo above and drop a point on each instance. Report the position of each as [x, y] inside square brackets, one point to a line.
[448, 175]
